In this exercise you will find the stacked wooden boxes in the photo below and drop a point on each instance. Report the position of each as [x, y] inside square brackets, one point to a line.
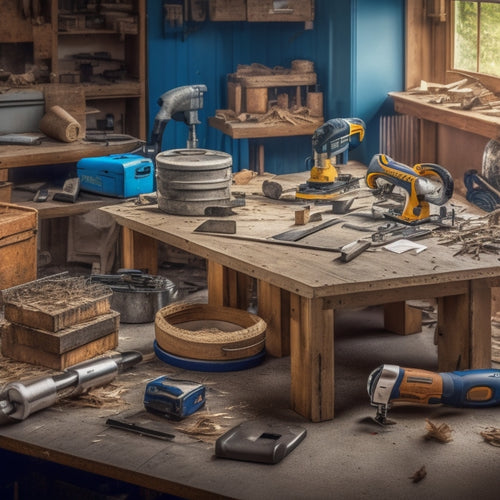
[58, 322]
[18, 229]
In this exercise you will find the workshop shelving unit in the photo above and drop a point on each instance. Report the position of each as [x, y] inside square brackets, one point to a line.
[110, 39]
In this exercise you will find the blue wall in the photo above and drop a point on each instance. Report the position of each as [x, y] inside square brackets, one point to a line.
[356, 46]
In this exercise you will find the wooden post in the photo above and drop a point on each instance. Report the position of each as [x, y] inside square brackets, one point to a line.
[453, 332]
[402, 319]
[312, 360]
[139, 251]
[274, 309]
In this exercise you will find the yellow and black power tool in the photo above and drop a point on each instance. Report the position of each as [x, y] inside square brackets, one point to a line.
[424, 183]
[331, 143]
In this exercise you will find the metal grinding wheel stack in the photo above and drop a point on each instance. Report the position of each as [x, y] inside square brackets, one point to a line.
[58, 321]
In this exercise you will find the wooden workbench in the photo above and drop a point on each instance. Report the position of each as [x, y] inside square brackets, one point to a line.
[299, 289]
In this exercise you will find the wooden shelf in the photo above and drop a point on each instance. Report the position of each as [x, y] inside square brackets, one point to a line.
[468, 121]
[246, 130]
[54, 152]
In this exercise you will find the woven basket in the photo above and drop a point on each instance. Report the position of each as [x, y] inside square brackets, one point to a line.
[205, 332]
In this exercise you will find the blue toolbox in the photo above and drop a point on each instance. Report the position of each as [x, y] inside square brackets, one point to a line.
[119, 175]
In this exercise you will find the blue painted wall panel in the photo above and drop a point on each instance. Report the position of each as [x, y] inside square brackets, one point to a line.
[349, 45]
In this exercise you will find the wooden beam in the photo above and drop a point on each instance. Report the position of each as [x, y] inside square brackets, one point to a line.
[312, 358]
[274, 309]
[402, 319]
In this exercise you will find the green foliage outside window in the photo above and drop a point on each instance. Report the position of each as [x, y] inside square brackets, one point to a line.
[477, 37]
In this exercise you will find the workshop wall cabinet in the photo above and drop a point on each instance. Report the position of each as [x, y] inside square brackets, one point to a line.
[98, 46]
[280, 10]
[262, 10]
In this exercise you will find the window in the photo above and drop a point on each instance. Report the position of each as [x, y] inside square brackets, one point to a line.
[476, 42]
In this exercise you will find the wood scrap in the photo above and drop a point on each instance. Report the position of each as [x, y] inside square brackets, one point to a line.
[476, 236]
[492, 436]
[466, 94]
[440, 433]
[419, 474]
[244, 176]
[294, 116]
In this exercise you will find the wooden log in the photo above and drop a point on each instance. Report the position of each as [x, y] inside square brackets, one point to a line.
[256, 100]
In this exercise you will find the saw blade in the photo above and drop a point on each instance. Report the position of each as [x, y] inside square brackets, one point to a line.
[491, 163]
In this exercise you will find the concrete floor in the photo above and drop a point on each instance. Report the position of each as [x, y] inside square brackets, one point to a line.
[350, 457]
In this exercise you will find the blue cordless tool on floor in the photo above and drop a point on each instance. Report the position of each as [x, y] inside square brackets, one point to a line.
[173, 398]
[390, 384]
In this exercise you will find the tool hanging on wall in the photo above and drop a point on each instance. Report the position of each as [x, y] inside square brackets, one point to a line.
[424, 184]
[331, 143]
[391, 384]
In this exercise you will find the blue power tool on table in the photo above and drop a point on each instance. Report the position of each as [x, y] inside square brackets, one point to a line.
[173, 398]
[390, 384]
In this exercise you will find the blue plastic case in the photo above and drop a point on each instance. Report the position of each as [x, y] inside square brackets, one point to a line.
[118, 175]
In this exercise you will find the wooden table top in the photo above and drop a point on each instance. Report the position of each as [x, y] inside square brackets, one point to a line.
[308, 272]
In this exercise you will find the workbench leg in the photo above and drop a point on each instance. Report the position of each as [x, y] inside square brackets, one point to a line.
[402, 319]
[139, 251]
[274, 309]
[227, 287]
[464, 329]
[480, 328]
[215, 283]
[311, 356]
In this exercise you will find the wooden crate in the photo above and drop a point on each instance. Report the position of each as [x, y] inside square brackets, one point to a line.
[36, 356]
[18, 229]
[64, 340]
[57, 318]
[228, 10]
[5, 191]
[280, 11]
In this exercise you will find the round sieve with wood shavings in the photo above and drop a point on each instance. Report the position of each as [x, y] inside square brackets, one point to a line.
[206, 332]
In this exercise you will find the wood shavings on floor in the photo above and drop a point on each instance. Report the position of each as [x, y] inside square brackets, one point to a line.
[206, 427]
[440, 433]
[419, 474]
[109, 396]
[492, 436]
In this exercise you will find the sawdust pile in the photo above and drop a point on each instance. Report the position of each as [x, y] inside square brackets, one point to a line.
[475, 236]
[440, 433]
